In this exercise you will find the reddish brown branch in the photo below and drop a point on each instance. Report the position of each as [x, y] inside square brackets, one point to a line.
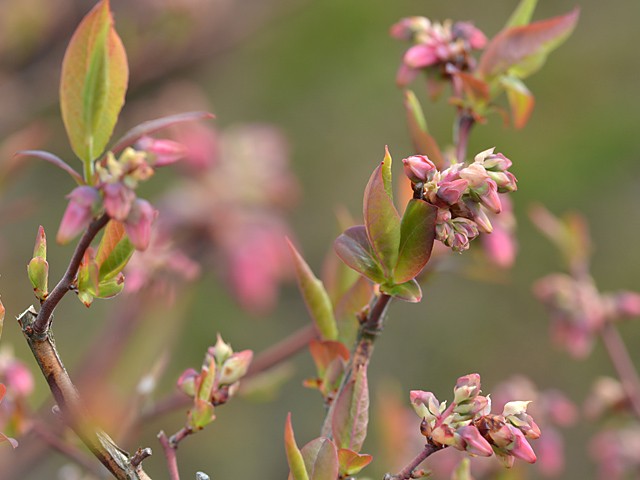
[170, 455]
[408, 471]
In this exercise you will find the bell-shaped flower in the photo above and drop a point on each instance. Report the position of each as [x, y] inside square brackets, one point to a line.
[83, 201]
[418, 168]
[469, 439]
[118, 200]
[164, 152]
[138, 223]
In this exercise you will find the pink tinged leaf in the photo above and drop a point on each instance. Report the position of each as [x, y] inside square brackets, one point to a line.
[151, 126]
[522, 50]
[321, 459]
[476, 89]
[93, 83]
[520, 99]
[315, 297]
[351, 413]
[354, 249]
[88, 275]
[522, 14]
[201, 414]
[381, 219]
[423, 142]
[207, 378]
[114, 251]
[187, 382]
[325, 352]
[417, 232]
[294, 456]
[408, 291]
[351, 463]
[53, 159]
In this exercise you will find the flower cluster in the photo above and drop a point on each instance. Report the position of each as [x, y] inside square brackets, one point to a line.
[578, 310]
[465, 194]
[468, 424]
[216, 383]
[113, 191]
[436, 45]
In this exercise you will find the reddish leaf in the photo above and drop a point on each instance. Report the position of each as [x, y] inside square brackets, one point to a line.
[381, 218]
[354, 249]
[351, 413]
[417, 232]
[520, 99]
[423, 142]
[54, 160]
[147, 128]
[325, 352]
[476, 90]
[315, 297]
[93, 83]
[351, 463]
[525, 48]
[348, 306]
[321, 459]
[409, 291]
[294, 456]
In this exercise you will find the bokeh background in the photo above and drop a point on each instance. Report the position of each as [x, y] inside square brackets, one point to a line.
[323, 72]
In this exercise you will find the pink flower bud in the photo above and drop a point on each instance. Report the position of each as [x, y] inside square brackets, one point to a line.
[407, 28]
[479, 216]
[425, 404]
[418, 167]
[627, 304]
[118, 200]
[506, 181]
[472, 35]
[19, 378]
[472, 442]
[405, 75]
[466, 388]
[82, 202]
[187, 382]
[138, 223]
[451, 192]
[420, 56]
[475, 174]
[495, 162]
[165, 152]
[521, 448]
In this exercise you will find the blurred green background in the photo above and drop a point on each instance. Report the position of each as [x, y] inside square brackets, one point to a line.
[324, 73]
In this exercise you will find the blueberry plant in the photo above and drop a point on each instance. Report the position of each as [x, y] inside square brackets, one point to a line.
[445, 200]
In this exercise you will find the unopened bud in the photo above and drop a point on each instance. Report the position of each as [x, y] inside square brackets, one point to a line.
[418, 167]
[82, 202]
[235, 367]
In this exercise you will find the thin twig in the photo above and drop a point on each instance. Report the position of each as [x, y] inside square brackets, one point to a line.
[170, 455]
[407, 472]
[623, 365]
[43, 320]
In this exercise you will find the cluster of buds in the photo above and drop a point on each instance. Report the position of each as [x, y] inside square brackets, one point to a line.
[113, 191]
[578, 310]
[217, 381]
[468, 424]
[439, 45]
[465, 194]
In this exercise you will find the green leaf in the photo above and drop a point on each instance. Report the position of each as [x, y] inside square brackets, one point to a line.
[409, 291]
[93, 83]
[521, 51]
[38, 271]
[520, 99]
[207, 376]
[315, 297]
[381, 218]
[351, 413]
[111, 287]
[423, 142]
[87, 281]
[114, 251]
[321, 459]
[522, 14]
[386, 173]
[351, 463]
[201, 414]
[354, 249]
[294, 456]
[417, 232]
